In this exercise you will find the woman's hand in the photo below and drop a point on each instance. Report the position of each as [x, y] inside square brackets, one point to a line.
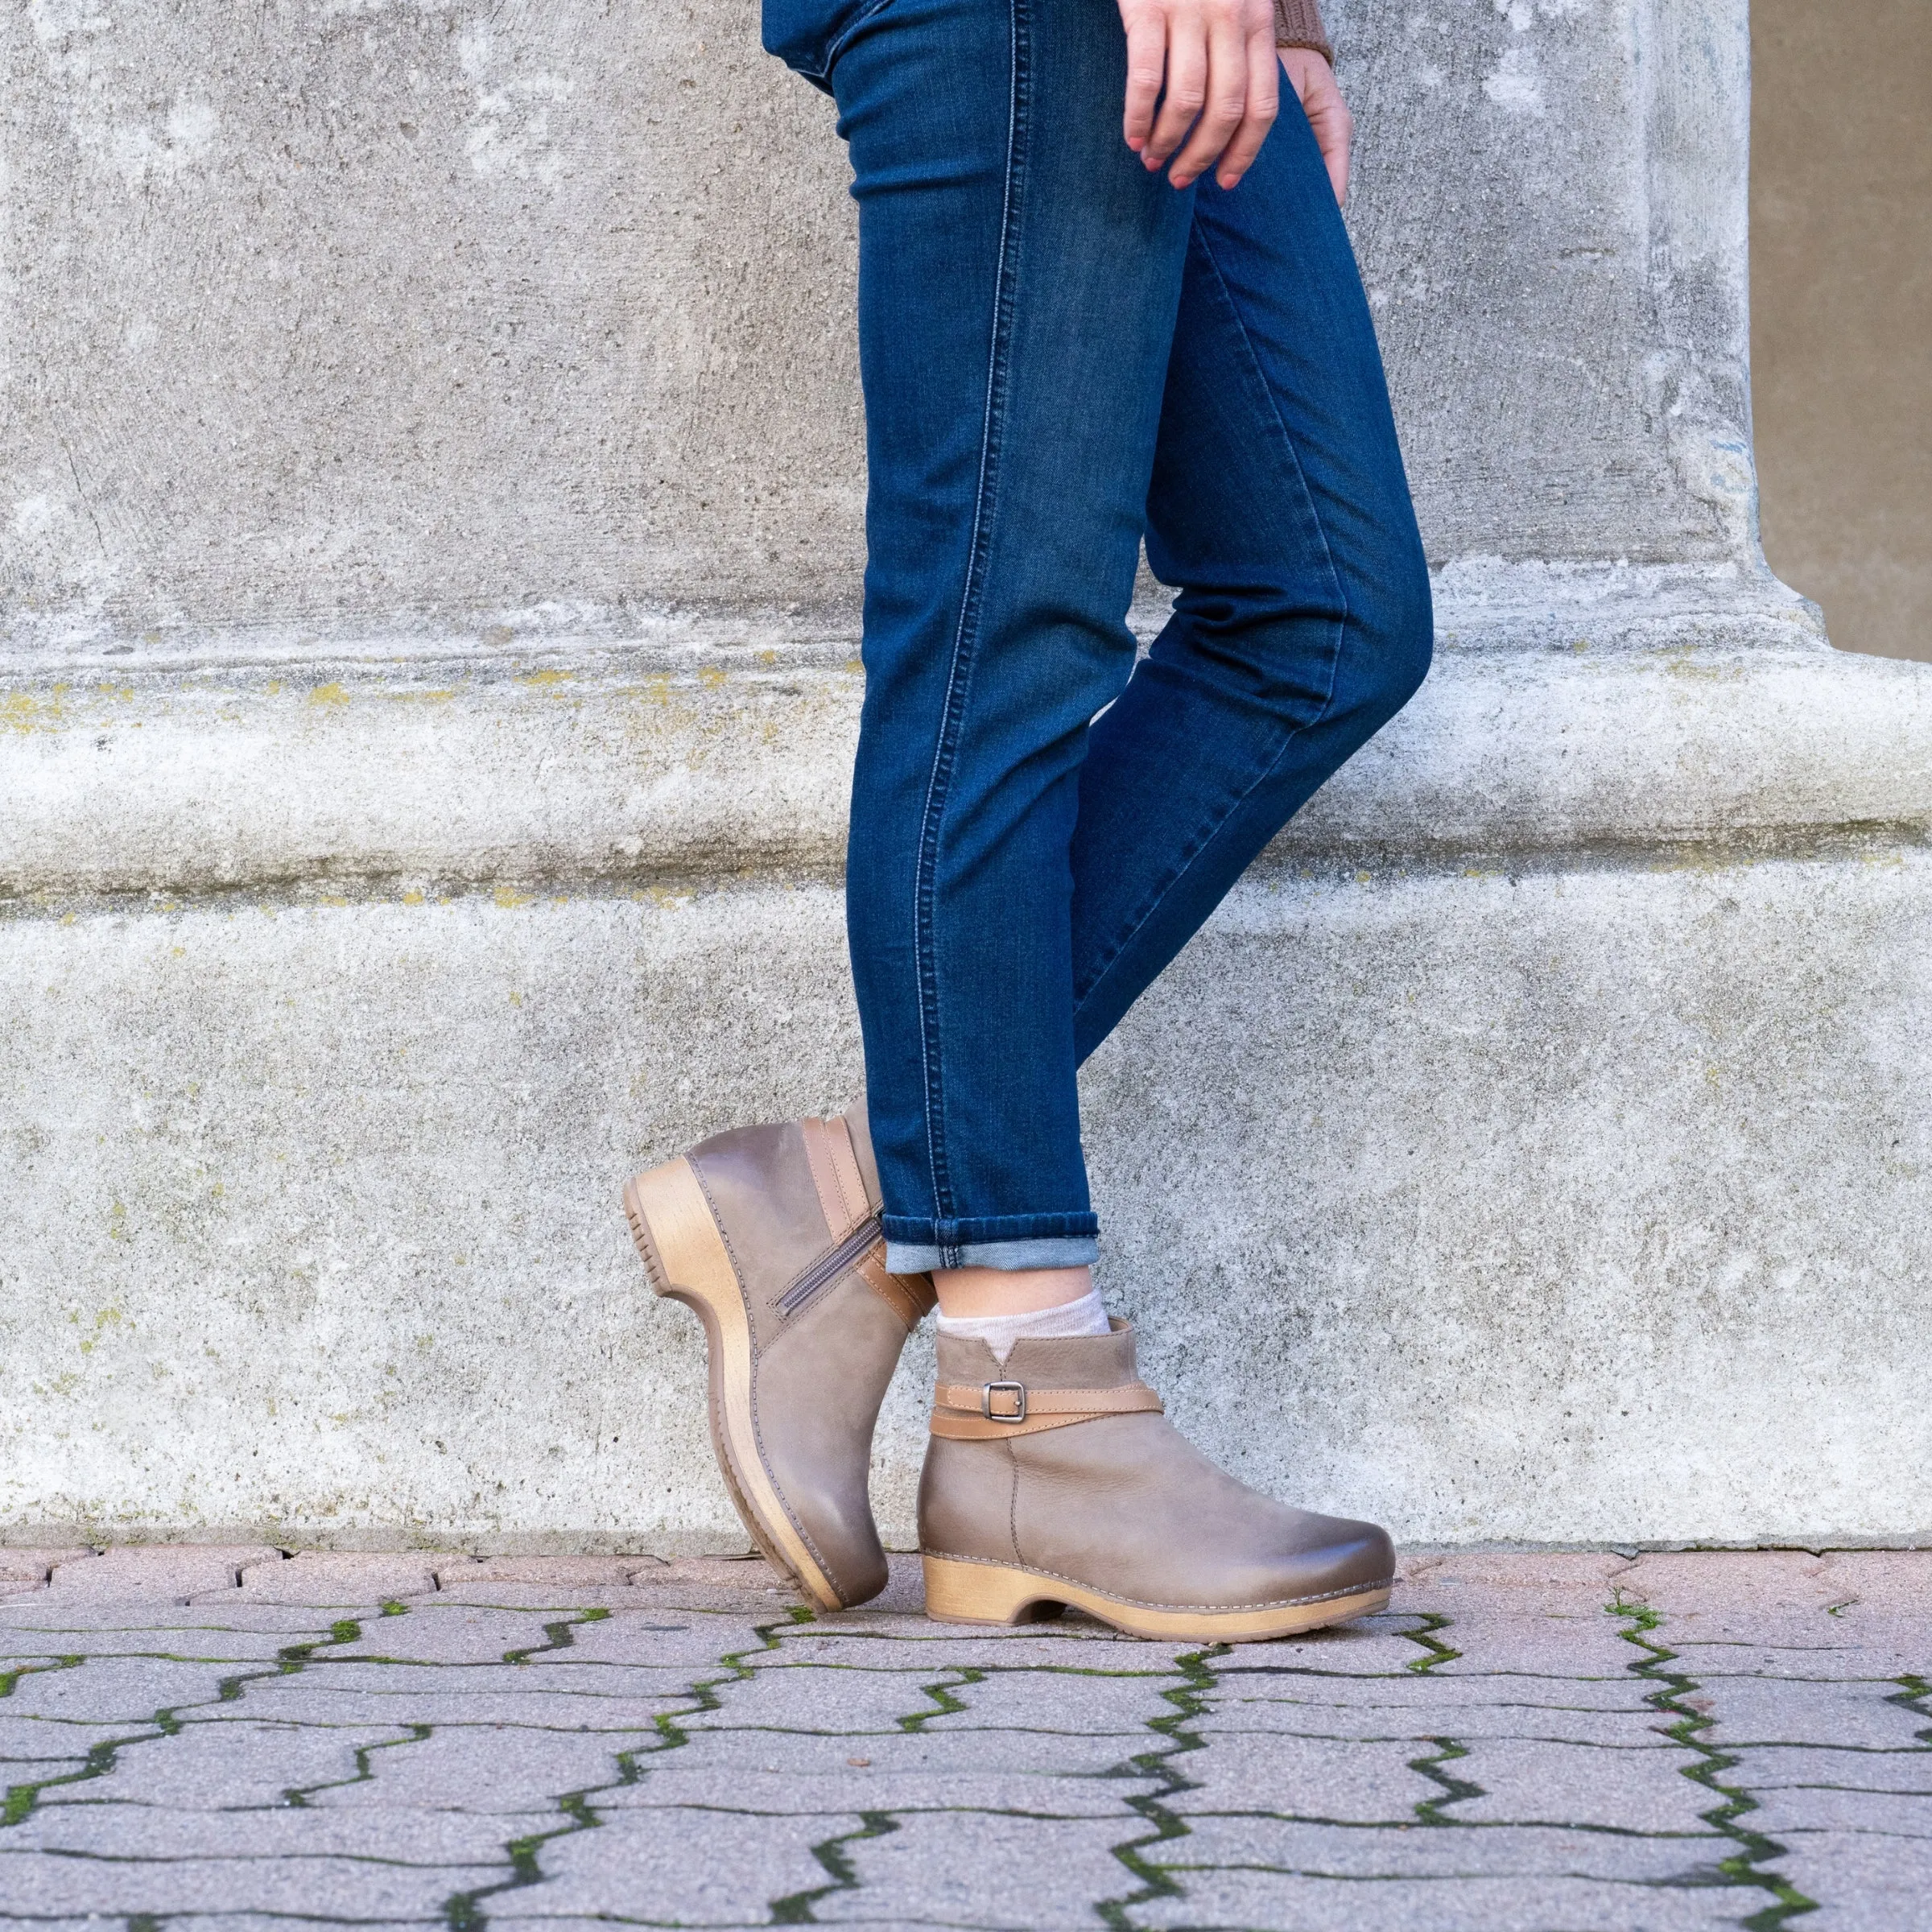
[1216, 60]
[1313, 81]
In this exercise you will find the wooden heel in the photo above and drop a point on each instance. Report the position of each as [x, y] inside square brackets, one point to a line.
[958, 1592]
[670, 1222]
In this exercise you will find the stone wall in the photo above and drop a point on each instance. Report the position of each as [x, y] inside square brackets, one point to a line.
[433, 487]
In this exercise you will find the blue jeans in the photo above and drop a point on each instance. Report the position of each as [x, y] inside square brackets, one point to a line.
[1063, 357]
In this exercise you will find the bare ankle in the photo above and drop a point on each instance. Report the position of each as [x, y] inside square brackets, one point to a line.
[974, 1294]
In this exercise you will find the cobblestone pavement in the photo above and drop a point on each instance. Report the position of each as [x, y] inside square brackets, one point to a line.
[235, 1739]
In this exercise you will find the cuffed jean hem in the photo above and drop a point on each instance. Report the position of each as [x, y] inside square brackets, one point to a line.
[1003, 1241]
[1047, 1251]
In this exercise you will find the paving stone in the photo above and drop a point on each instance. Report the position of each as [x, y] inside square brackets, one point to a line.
[333, 1577]
[1874, 1879]
[972, 1869]
[689, 1869]
[1297, 1777]
[563, 1678]
[176, 1571]
[146, 1626]
[1746, 1711]
[799, 1754]
[697, 1640]
[1771, 1767]
[1713, 1581]
[1883, 1579]
[35, 1565]
[103, 1830]
[291, 1701]
[218, 1762]
[1419, 1851]
[1783, 1808]
[1625, 1788]
[1426, 1715]
[118, 1690]
[434, 1631]
[878, 1781]
[1284, 1902]
[494, 1769]
[546, 1572]
[1055, 1700]
[1828, 1652]
[353, 1887]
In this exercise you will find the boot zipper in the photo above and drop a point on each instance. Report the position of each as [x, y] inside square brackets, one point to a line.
[821, 1274]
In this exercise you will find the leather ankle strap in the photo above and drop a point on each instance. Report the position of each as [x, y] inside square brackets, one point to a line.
[978, 1411]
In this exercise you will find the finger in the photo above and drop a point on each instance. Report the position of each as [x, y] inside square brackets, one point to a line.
[1313, 80]
[1264, 104]
[1146, 67]
[1187, 88]
[1226, 102]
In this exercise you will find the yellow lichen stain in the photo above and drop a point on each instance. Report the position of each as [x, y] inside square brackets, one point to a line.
[22, 713]
[1364, 878]
[117, 1222]
[69, 919]
[545, 678]
[107, 1317]
[274, 687]
[768, 657]
[509, 899]
[329, 693]
[516, 999]
[1712, 1078]
[412, 898]
[712, 676]
[217, 1190]
[333, 898]
[857, 665]
[177, 952]
[1893, 861]
[419, 697]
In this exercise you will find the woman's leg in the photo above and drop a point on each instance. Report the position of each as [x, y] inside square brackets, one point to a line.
[1280, 509]
[1019, 276]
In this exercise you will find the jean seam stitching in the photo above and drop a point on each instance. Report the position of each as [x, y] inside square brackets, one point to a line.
[1210, 827]
[822, 72]
[965, 636]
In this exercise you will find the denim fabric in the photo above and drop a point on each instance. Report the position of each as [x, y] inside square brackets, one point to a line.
[1062, 357]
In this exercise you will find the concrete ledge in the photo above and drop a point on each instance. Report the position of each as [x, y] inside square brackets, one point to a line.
[1616, 721]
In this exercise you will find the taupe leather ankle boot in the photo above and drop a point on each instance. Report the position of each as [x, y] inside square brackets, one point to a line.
[772, 1235]
[1054, 1480]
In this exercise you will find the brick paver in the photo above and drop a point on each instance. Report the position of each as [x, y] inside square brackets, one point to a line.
[1558, 1744]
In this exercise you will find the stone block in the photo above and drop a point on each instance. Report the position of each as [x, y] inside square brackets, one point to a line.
[18, 1565]
[1528, 1854]
[230, 1763]
[1904, 1773]
[1637, 1785]
[1340, 1781]
[693, 1868]
[501, 1769]
[353, 1887]
[173, 1571]
[1285, 1902]
[546, 1572]
[973, 1869]
[332, 1578]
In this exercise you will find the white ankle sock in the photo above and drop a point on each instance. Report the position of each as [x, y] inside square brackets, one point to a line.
[999, 1332]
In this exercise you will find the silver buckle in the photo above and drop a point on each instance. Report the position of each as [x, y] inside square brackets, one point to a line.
[1017, 1390]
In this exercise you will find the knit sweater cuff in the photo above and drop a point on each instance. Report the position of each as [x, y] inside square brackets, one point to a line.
[1298, 23]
